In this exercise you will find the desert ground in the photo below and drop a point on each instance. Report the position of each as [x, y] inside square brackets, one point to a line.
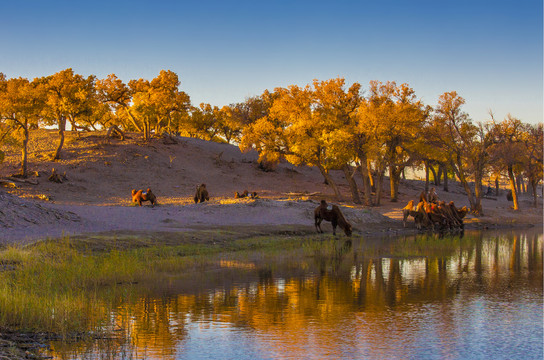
[95, 196]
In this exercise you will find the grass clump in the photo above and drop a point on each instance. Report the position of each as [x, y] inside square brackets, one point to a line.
[53, 286]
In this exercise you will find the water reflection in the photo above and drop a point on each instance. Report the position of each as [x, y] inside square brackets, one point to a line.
[479, 296]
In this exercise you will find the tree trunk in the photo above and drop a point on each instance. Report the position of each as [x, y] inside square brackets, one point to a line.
[466, 186]
[367, 187]
[348, 173]
[519, 186]
[426, 177]
[146, 130]
[24, 159]
[371, 176]
[497, 185]
[62, 127]
[330, 181]
[379, 186]
[115, 131]
[435, 180]
[513, 187]
[394, 179]
[133, 120]
[445, 171]
[478, 193]
[534, 185]
[439, 175]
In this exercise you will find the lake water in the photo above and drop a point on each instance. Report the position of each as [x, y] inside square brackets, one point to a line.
[479, 296]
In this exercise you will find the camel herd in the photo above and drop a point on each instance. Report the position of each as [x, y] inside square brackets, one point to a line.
[201, 195]
[429, 213]
[432, 213]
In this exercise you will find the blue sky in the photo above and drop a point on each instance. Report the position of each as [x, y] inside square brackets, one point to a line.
[490, 52]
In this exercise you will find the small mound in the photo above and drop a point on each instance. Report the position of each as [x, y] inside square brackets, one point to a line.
[16, 212]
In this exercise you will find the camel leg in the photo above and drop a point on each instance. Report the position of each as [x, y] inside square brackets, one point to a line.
[334, 224]
[318, 225]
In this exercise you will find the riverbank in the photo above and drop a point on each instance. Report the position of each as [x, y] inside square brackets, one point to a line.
[100, 173]
[27, 221]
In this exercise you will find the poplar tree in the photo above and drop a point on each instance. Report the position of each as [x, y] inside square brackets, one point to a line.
[20, 107]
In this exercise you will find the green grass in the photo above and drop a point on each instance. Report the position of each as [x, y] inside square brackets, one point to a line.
[52, 286]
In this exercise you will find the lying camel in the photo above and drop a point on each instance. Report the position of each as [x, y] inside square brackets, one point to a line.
[140, 196]
[244, 194]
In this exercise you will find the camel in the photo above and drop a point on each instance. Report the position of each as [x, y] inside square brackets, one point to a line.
[140, 196]
[429, 214]
[201, 194]
[410, 210]
[335, 216]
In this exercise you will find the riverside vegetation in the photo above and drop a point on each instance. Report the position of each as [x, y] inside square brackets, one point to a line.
[52, 286]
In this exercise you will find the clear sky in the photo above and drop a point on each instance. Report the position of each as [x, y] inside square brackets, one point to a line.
[490, 52]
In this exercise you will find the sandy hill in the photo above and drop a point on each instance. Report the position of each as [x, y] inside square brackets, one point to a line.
[101, 172]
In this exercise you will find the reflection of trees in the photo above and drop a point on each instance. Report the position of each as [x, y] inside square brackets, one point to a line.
[345, 295]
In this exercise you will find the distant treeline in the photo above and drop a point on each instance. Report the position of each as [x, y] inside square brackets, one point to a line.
[372, 133]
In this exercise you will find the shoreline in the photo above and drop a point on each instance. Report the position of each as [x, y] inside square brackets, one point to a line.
[96, 196]
[262, 216]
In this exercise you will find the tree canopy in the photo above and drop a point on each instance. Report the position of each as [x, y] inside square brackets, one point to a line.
[366, 133]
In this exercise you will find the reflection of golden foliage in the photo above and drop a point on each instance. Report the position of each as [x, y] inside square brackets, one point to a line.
[354, 294]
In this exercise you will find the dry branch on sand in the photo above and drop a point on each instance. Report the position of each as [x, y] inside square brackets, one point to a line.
[302, 193]
[8, 183]
[24, 181]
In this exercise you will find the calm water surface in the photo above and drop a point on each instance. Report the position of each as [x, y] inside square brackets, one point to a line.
[475, 297]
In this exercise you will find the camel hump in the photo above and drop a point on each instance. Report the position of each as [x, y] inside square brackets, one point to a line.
[409, 206]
